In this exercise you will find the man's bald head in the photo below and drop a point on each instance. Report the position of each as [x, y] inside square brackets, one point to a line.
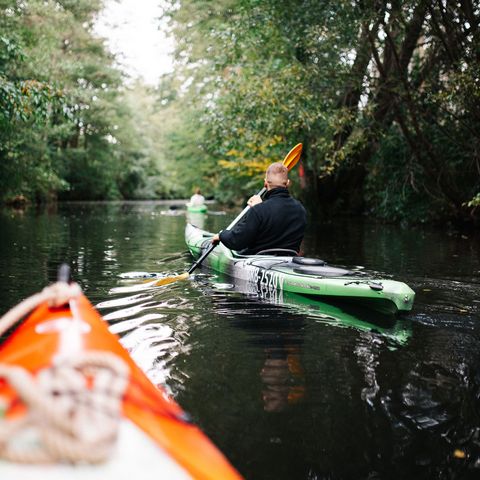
[276, 175]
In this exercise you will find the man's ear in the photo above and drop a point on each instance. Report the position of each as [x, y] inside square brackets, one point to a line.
[288, 183]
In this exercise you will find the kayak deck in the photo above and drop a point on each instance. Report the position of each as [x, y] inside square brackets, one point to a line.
[310, 277]
[133, 448]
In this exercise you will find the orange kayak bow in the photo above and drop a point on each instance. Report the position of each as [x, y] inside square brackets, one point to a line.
[52, 333]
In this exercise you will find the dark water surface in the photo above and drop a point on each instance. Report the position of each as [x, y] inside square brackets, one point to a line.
[293, 391]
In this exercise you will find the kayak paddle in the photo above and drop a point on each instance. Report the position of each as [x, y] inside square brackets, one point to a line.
[290, 160]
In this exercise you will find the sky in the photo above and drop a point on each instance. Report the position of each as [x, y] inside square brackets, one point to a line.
[132, 30]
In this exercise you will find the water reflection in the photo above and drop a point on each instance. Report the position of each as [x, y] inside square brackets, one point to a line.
[429, 412]
[308, 364]
[395, 329]
[419, 406]
[279, 333]
[283, 379]
[278, 337]
[197, 218]
[151, 324]
[287, 390]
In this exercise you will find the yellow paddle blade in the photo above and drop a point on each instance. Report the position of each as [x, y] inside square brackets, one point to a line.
[293, 156]
[167, 280]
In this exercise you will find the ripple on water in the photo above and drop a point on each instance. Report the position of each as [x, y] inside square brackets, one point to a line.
[136, 287]
[136, 275]
[429, 399]
[240, 359]
[126, 325]
[153, 348]
[130, 311]
[120, 302]
[447, 295]
[447, 321]
[155, 326]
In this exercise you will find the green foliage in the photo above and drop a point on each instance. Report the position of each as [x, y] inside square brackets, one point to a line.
[384, 96]
[263, 71]
[188, 164]
[474, 202]
[25, 106]
[387, 88]
[391, 188]
[64, 127]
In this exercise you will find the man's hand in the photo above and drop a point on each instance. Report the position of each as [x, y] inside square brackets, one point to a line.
[255, 200]
[215, 239]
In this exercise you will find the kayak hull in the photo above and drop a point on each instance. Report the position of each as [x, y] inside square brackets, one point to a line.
[268, 273]
[197, 208]
[49, 335]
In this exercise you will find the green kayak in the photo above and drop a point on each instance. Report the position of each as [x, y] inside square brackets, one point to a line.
[196, 208]
[269, 275]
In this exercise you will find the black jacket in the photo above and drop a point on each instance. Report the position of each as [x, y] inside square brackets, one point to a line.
[278, 222]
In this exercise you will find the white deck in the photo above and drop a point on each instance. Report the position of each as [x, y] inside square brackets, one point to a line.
[136, 457]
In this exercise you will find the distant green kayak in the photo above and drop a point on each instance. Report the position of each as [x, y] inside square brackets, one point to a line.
[196, 208]
[270, 274]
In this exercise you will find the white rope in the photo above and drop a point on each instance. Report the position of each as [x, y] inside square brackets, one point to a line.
[73, 408]
[56, 295]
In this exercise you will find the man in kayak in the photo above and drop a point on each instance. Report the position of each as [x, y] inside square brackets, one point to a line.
[277, 222]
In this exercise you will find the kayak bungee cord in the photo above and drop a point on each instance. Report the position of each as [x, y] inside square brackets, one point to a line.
[372, 284]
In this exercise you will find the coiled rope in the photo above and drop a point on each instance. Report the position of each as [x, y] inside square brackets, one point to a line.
[73, 407]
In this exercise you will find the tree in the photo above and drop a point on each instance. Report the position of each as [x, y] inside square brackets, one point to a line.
[65, 128]
[376, 91]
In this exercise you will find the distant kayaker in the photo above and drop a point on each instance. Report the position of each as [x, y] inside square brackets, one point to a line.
[197, 199]
[277, 222]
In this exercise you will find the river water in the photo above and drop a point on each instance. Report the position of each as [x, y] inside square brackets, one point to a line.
[291, 391]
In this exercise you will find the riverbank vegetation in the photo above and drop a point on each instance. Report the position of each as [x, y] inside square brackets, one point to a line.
[67, 125]
[385, 97]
